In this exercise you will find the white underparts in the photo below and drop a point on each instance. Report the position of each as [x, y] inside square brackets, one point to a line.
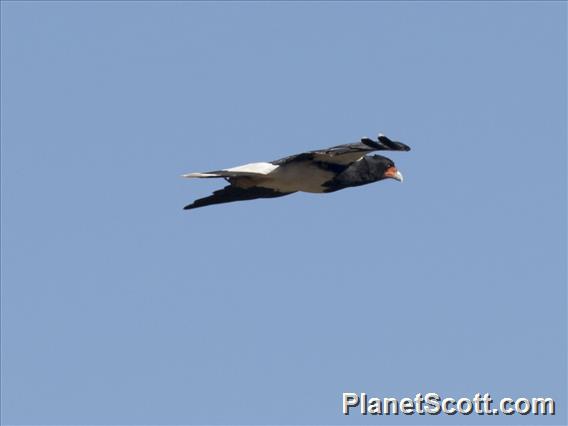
[305, 177]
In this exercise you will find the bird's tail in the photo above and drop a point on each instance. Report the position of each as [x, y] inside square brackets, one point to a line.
[215, 174]
[232, 193]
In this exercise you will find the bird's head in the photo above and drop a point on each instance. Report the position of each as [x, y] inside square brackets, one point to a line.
[384, 168]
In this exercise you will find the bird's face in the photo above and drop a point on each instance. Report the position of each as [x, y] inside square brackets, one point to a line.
[386, 168]
[392, 173]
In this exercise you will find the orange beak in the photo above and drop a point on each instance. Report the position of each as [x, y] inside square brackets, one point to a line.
[393, 173]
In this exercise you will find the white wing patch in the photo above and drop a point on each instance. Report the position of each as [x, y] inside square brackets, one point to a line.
[256, 168]
[252, 169]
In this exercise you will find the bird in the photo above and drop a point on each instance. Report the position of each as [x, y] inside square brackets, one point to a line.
[320, 171]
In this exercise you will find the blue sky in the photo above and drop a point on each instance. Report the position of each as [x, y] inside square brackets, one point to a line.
[120, 308]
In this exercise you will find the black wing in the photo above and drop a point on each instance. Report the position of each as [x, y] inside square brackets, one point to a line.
[348, 153]
[232, 193]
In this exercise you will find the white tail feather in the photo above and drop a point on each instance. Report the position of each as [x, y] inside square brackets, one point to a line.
[200, 175]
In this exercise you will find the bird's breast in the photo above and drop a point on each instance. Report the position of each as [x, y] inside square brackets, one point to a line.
[305, 177]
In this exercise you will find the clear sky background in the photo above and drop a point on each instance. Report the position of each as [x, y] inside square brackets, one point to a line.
[118, 307]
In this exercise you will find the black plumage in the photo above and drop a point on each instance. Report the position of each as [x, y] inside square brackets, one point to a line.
[234, 193]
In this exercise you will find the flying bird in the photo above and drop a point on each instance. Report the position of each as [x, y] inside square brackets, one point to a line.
[320, 171]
